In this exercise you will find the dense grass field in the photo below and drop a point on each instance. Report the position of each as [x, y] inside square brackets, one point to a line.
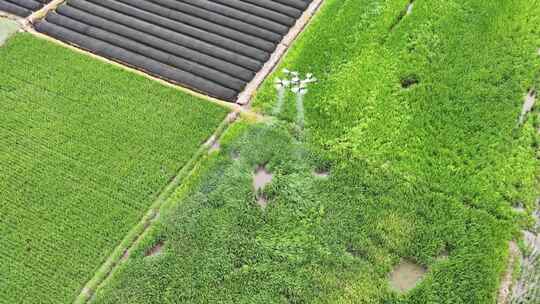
[426, 173]
[456, 129]
[86, 149]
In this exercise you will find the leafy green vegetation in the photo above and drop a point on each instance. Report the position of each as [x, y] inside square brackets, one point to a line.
[416, 119]
[86, 149]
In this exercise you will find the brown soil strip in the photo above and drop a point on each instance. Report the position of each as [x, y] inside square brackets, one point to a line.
[42, 12]
[16, 18]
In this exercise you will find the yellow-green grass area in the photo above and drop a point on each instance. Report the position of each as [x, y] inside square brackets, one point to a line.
[425, 173]
[86, 148]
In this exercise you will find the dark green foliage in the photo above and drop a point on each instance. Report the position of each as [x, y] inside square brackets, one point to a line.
[86, 148]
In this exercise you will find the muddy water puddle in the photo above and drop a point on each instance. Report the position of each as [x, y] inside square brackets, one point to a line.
[261, 178]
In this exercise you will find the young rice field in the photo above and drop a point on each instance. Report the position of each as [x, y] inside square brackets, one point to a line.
[85, 150]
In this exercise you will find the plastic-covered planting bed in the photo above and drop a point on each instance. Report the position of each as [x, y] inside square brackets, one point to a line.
[22, 8]
[212, 46]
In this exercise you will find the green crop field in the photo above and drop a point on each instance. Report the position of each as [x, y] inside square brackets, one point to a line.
[415, 117]
[85, 150]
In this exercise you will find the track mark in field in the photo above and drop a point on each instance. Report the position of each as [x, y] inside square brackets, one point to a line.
[527, 287]
[405, 12]
[444, 255]
[355, 252]
[155, 250]
[235, 155]
[406, 275]
[528, 104]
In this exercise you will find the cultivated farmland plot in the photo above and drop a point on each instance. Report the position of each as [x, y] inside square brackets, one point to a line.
[215, 47]
[86, 149]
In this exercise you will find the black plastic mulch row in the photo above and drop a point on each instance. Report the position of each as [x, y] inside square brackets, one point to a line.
[212, 46]
[22, 8]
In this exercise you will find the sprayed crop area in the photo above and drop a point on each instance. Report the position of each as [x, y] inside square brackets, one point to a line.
[85, 149]
[391, 180]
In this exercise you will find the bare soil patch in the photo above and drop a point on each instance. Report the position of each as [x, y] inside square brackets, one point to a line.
[406, 275]
[321, 173]
[506, 283]
[518, 207]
